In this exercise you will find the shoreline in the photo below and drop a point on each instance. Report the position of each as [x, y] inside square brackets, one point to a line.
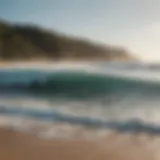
[19, 145]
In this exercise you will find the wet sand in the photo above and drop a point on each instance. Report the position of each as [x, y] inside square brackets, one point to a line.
[23, 146]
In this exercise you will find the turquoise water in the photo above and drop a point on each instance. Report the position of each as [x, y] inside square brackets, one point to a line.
[122, 97]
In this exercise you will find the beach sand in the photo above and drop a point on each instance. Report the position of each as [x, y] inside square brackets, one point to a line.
[16, 145]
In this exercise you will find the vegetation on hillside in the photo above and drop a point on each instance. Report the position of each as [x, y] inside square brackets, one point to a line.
[31, 42]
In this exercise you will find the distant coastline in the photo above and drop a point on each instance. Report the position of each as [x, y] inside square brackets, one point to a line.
[33, 43]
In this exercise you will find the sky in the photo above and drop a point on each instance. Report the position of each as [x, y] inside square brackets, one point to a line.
[133, 24]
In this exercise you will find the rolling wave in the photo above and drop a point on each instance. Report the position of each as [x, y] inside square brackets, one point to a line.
[76, 84]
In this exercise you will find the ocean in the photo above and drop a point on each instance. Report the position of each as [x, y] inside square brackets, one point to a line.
[114, 96]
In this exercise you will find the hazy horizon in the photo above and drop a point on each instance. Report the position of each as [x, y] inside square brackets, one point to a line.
[133, 24]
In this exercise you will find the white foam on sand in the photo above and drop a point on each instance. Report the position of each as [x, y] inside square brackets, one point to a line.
[48, 130]
[66, 131]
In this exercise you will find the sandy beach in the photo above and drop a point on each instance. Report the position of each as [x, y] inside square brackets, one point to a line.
[19, 145]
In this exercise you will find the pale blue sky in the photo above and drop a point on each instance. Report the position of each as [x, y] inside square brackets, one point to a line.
[134, 24]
